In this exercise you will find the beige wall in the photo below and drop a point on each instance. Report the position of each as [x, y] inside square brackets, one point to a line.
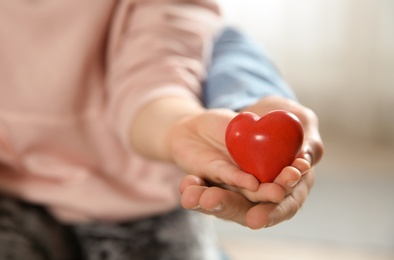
[338, 55]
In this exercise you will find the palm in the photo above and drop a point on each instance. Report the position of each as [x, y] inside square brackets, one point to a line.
[198, 147]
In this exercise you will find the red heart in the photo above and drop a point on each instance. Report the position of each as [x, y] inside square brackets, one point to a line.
[264, 146]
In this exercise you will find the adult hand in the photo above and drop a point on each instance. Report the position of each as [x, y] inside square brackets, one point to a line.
[233, 206]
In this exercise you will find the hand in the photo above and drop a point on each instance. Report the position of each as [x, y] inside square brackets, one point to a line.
[197, 145]
[233, 206]
[191, 137]
[243, 206]
[312, 148]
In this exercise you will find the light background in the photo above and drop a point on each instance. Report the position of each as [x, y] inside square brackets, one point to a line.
[338, 55]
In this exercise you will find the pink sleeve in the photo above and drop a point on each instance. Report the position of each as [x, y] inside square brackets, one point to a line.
[158, 48]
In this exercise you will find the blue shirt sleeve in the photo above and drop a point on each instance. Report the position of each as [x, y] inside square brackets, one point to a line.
[240, 74]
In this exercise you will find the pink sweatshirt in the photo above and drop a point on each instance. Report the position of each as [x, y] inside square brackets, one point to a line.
[72, 76]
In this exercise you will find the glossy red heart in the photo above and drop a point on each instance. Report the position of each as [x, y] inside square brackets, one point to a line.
[264, 146]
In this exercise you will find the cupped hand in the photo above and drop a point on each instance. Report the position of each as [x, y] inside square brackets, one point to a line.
[233, 206]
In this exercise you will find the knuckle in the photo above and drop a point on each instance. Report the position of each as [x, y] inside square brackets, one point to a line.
[292, 206]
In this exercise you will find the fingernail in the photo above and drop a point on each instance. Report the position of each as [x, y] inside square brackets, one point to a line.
[197, 207]
[291, 184]
[217, 208]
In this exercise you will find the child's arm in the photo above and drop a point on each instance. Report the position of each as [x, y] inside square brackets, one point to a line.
[159, 49]
[180, 131]
[155, 84]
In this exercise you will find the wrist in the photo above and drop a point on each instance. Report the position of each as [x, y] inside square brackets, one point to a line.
[150, 128]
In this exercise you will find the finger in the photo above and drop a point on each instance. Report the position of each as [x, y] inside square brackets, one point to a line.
[267, 192]
[313, 148]
[291, 175]
[190, 180]
[283, 184]
[259, 216]
[224, 172]
[191, 197]
[215, 201]
[288, 178]
[302, 165]
[269, 214]
[225, 204]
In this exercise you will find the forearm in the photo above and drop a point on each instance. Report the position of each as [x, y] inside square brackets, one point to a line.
[150, 128]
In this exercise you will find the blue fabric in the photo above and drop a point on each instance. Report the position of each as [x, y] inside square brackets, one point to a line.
[240, 74]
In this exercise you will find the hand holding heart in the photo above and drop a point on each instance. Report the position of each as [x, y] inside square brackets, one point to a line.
[198, 146]
[242, 205]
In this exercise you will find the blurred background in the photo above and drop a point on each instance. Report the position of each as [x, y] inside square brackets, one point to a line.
[338, 55]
